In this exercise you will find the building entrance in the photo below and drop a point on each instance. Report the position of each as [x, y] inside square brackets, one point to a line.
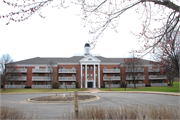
[90, 84]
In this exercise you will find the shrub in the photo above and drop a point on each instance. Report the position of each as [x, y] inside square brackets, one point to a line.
[126, 112]
[28, 87]
[103, 84]
[15, 113]
[123, 84]
[55, 84]
[77, 85]
[147, 85]
[1, 86]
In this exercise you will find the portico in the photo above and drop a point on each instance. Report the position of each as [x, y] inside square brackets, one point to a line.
[93, 63]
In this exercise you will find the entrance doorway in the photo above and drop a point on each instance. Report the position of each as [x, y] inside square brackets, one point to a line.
[90, 84]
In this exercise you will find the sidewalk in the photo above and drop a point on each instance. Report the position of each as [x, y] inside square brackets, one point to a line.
[94, 90]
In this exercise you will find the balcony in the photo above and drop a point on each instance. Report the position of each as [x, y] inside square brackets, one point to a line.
[41, 78]
[67, 79]
[41, 86]
[111, 70]
[158, 84]
[154, 70]
[136, 78]
[40, 70]
[67, 70]
[155, 77]
[136, 70]
[15, 86]
[17, 78]
[18, 70]
[105, 78]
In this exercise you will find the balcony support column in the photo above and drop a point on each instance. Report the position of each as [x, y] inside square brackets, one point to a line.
[86, 76]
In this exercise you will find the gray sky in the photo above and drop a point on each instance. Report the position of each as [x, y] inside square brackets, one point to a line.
[61, 34]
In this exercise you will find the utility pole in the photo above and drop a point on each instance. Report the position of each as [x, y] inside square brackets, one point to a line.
[76, 104]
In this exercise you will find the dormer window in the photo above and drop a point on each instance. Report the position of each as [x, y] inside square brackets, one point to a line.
[90, 59]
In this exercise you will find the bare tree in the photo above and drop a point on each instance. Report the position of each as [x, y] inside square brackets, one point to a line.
[8, 69]
[133, 69]
[50, 68]
[109, 81]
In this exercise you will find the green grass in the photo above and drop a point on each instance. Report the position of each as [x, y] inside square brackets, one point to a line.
[16, 91]
[174, 88]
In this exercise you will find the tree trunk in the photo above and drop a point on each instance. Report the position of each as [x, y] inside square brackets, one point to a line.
[134, 82]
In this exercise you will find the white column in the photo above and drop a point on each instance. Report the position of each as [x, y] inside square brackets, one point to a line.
[86, 76]
[98, 76]
[94, 77]
[81, 75]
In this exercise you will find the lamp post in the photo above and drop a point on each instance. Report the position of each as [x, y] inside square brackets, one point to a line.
[120, 73]
[125, 85]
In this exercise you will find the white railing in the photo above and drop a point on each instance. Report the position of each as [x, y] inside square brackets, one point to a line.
[136, 70]
[158, 84]
[68, 86]
[40, 70]
[22, 70]
[111, 70]
[41, 86]
[67, 70]
[112, 86]
[17, 78]
[105, 78]
[137, 85]
[41, 78]
[15, 86]
[157, 77]
[67, 79]
[153, 69]
[136, 78]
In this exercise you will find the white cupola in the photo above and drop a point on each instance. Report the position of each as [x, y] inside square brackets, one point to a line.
[86, 49]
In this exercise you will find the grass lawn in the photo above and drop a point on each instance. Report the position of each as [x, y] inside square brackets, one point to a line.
[14, 90]
[174, 88]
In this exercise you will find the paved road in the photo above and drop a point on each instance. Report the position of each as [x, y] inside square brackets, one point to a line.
[54, 110]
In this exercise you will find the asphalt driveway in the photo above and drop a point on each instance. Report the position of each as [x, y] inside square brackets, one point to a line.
[55, 110]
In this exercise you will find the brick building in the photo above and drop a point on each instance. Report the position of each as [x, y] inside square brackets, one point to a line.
[90, 71]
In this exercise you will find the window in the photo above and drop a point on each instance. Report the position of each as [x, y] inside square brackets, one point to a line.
[69, 83]
[36, 83]
[114, 67]
[24, 75]
[23, 67]
[36, 67]
[47, 83]
[87, 75]
[115, 75]
[36, 75]
[11, 83]
[139, 82]
[96, 75]
[115, 82]
[90, 59]
[23, 83]
[83, 75]
[105, 75]
[83, 68]
[62, 75]
[42, 83]
[73, 83]
[73, 75]
[63, 68]
[96, 68]
[87, 68]
[43, 68]
[73, 68]
[91, 75]
[105, 68]
[96, 83]
[91, 68]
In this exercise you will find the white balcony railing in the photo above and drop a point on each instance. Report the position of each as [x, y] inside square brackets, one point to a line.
[67, 70]
[18, 70]
[41, 78]
[68, 86]
[154, 70]
[17, 78]
[111, 70]
[136, 78]
[158, 84]
[137, 85]
[41, 86]
[151, 77]
[136, 70]
[15, 86]
[106, 78]
[67, 79]
[40, 70]
[112, 86]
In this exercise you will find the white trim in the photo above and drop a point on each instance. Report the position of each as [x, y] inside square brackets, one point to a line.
[81, 75]
[94, 77]
[68, 63]
[98, 75]
[33, 65]
[86, 76]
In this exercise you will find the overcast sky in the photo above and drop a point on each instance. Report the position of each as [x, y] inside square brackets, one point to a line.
[61, 34]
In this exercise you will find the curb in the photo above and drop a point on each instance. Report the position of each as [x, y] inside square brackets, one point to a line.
[86, 100]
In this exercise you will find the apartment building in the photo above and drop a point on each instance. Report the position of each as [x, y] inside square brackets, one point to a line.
[90, 71]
